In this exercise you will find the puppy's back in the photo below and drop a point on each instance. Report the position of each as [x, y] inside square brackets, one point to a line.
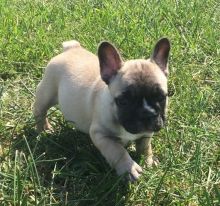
[74, 78]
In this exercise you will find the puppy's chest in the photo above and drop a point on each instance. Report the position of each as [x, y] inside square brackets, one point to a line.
[128, 137]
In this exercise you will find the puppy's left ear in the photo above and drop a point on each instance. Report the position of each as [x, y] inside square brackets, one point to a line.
[110, 61]
[161, 54]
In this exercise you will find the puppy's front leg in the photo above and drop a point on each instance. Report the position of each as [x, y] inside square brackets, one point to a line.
[116, 155]
[143, 147]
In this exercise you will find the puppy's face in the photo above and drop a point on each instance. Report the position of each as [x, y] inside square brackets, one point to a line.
[138, 87]
[140, 93]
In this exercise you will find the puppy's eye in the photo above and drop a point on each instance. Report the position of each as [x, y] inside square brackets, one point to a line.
[120, 101]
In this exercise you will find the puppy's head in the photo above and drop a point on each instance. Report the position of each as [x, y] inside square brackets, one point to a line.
[138, 87]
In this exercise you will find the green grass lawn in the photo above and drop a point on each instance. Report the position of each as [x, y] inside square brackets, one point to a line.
[64, 168]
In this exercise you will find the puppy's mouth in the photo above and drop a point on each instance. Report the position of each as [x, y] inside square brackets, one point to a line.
[133, 129]
[141, 127]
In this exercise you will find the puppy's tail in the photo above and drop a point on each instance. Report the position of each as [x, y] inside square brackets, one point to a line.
[70, 44]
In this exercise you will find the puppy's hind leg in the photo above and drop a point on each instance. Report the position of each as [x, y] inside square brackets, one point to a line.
[46, 97]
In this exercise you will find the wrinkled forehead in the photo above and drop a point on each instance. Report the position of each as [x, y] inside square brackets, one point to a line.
[140, 76]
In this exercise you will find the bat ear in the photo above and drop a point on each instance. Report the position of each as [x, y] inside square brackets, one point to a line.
[161, 53]
[110, 61]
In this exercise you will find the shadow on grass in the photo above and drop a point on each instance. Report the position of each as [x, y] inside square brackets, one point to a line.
[71, 168]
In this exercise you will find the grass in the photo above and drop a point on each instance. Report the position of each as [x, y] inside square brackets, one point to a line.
[64, 168]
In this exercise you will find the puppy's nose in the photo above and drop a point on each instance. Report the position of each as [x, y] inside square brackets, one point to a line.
[159, 124]
[157, 128]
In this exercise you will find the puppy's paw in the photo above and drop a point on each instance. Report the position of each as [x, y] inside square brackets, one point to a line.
[135, 172]
[132, 168]
[152, 161]
[48, 128]
[44, 126]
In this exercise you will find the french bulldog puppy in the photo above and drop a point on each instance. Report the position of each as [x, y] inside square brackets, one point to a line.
[112, 100]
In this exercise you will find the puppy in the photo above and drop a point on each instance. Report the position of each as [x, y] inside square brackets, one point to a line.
[112, 100]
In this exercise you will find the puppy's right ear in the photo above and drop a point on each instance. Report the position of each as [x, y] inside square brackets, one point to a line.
[161, 54]
[110, 61]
